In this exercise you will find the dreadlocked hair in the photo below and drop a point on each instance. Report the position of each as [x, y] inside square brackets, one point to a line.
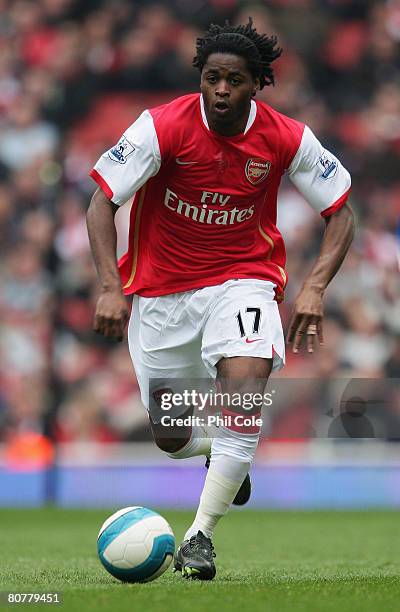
[258, 50]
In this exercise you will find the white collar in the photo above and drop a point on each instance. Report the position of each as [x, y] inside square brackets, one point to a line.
[250, 120]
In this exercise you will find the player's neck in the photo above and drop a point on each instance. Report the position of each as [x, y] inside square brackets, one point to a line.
[229, 129]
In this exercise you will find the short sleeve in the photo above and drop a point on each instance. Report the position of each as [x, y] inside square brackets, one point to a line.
[125, 168]
[319, 176]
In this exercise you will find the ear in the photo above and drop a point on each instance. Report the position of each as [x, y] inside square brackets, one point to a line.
[256, 87]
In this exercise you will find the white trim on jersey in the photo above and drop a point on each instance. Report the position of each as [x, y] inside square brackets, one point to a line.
[318, 174]
[132, 161]
[250, 120]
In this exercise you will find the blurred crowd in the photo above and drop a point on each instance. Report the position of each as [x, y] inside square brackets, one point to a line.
[73, 76]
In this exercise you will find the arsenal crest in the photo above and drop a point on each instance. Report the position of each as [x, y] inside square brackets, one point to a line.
[257, 170]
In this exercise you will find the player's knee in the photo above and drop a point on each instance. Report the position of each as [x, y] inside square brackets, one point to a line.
[245, 378]
[244, 382]
[170, 445]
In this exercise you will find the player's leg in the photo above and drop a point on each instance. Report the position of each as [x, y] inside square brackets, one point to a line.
[232, 453]
[242, 342]
[164, 345]
[233, 450]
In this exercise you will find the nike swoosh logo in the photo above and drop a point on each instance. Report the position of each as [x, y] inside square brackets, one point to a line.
[251, 341]
[183, 163]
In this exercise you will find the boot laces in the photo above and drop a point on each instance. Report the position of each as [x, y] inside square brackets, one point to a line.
[198, 542]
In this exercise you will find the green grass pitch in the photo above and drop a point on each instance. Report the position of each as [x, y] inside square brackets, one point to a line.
[266, 561]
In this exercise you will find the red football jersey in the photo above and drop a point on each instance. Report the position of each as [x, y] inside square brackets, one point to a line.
[204, 205]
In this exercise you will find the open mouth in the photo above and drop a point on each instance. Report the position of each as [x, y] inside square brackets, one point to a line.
[221, 107]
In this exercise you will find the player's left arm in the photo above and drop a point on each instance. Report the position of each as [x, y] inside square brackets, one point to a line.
[325, 183]
[308, 307]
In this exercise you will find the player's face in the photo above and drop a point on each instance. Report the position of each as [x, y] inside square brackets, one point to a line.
[227, 87]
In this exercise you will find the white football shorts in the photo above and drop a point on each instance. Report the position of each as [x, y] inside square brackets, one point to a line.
[184, 335]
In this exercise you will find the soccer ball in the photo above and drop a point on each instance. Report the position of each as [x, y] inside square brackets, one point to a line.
[136, 544]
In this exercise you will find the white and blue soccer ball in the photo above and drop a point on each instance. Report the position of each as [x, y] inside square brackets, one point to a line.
[136, 544]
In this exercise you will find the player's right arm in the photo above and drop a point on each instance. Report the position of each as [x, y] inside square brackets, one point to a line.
[119, 172]
[111, 312]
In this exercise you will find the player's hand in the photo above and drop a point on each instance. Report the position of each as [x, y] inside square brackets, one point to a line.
[111, 315]
[307, 319]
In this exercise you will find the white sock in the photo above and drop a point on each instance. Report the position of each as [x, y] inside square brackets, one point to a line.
[199, 444]
[231, 456]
